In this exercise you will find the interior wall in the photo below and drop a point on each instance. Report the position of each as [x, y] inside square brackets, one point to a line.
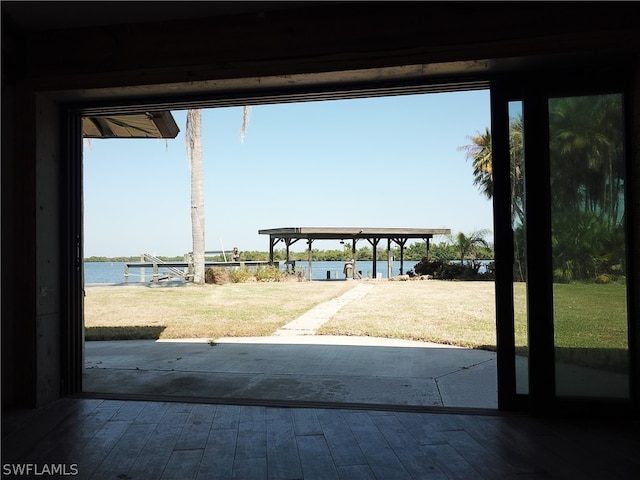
[31, 226]
[48, 214]
[18, 248]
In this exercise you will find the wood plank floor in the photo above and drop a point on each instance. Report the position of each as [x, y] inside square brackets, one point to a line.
[113, 439]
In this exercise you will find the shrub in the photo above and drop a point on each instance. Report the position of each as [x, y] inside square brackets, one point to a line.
[454, 271]
[216, 275]
[269, 273]
[297, 276]
[429, 267]
[439, 269]
[241, 275]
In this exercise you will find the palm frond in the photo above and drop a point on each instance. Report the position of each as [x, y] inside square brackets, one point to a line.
[246, 113]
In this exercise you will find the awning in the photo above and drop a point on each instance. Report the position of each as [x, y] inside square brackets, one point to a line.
[138, 125]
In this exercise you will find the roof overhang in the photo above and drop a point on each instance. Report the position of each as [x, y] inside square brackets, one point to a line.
[137, 125]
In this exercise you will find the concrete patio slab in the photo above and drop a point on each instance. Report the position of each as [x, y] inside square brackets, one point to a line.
[296, 368]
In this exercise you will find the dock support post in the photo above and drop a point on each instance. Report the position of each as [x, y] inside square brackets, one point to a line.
[402, 242]
[353, 257]
[272, 243]
[309, 242]
[374, 246]
[389, 259]
[126, 273]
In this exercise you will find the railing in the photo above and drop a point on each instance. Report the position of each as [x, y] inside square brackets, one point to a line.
[147, 260]
[182, 270]
[145, 257]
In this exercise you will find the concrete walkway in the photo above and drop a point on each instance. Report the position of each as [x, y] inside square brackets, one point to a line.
[309, 322]
[296, 365]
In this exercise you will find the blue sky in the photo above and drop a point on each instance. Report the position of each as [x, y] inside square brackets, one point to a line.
[380, 162]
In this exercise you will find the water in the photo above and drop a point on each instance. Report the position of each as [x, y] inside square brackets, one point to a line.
[104, 272]
[113, 272]
[336, 269]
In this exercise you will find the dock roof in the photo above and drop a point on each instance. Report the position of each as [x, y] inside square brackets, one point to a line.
[345, 233]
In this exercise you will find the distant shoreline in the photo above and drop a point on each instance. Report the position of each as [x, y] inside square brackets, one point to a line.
[297, 256]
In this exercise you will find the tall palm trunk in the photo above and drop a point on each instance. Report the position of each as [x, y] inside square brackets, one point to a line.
[194, 151]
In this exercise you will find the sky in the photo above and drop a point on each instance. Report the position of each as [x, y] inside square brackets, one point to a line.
[375, 162]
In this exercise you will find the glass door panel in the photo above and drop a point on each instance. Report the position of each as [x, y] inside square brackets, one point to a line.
[587, 187]
[518, 225]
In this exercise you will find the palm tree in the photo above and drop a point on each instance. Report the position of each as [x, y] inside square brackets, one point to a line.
[587, 186]
[516, 153]
[480, 152]
[193, 138]
[586, 154]
[466, 245]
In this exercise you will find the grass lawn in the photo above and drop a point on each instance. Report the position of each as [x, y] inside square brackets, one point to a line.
[208, 311]
[587, 316]
[591, 325]
[463, 313]
[457, 313]
[590, 316]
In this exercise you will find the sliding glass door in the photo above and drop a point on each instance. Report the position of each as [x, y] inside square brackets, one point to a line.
[560, 187]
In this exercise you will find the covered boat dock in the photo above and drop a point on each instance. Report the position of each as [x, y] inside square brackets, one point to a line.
[399, 236]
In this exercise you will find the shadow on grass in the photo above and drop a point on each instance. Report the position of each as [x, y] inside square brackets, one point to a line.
[123, 333]
[610, 359]
[614, 360]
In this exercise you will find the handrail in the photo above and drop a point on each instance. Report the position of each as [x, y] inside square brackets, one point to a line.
[157, 261]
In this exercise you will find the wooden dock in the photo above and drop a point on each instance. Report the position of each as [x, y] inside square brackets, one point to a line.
[183, 270]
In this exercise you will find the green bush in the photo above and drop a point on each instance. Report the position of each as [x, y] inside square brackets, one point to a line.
[443, 270]
[429, 267]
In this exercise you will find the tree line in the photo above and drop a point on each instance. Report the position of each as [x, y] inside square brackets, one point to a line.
[450, 249]
[587, 187]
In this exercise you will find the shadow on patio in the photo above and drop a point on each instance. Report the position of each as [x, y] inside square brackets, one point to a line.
[313, 369]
